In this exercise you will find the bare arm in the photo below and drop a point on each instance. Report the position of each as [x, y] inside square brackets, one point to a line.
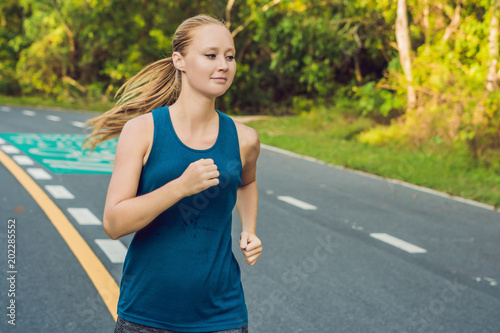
[247, 197]
[124, 212]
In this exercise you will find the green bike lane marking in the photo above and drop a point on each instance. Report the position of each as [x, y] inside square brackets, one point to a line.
[62, 153]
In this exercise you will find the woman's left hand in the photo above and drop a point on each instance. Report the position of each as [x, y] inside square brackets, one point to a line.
[251, 246]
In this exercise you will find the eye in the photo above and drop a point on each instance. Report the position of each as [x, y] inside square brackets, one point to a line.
[230, 58]
[212, 56]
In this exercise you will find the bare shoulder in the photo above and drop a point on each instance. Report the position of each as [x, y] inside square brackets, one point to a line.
[137, 134]
[142, 122]
[249, 142]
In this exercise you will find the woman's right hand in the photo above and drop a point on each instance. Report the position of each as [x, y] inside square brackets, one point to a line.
[199, 176]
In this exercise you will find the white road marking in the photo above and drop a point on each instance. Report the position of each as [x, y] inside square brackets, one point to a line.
[10, 149]
[399, 243]
[23, 160]
[29, 113]
[114, 249]
[2, 141]
[77, 124]
[76, 165]
[53, 118]
[5, 109]
[388, 180]
[297, 202]
[491, 281]
[59, 192]
[84, 216]
[38, 173]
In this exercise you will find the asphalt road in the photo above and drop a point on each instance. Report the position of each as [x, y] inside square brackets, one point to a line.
[331, 261]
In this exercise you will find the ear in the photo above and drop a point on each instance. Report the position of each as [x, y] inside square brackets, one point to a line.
[178, 61]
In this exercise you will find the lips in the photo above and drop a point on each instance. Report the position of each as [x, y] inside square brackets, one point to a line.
[219, 79]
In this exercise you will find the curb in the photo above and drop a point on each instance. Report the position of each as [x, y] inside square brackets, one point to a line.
[389, 180]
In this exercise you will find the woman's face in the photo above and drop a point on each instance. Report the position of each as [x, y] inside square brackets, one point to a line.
[209, 65]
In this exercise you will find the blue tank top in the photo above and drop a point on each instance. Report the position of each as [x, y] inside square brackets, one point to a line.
[180, 273]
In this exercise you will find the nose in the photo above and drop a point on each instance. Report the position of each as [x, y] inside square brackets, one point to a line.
[223, 65]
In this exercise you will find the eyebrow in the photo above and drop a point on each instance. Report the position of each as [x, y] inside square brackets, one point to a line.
[216, 48]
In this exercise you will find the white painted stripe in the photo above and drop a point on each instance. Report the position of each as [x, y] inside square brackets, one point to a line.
[29, 113]
[2, 141]
[389, 180]
[53, 118]
[23, 160]
[77, 124]
[5, 109]
[10, 149]
[84, 216]
[399, 243]
[71, 165]
[297, 202]
[492, 282]
[38, 173]
[59, 192]
[114, 250]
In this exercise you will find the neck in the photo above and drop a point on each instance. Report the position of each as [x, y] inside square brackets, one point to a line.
[195, 106]
[195, 111]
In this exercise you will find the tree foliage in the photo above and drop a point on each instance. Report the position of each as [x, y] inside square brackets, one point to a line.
[290, 55]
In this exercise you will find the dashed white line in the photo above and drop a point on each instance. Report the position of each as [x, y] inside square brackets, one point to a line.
[10, 149]
[53, 118]
[372, 176]
[38, 173]
[84, 216]
[491, 281]
[399, 243]
[59, 192]
[23, 160]
[5, 109]
[297, 202]
[29, 113]
[77, 124]
[114, 250]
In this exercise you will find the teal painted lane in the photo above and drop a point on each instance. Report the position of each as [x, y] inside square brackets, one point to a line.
[63, 153]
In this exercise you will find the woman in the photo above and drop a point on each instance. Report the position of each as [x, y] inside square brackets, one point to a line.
[180, 168]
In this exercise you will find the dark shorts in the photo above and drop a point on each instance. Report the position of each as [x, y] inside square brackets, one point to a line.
[125, 326]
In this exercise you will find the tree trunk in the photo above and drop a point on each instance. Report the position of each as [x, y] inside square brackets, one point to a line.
[491, 80]
[229, 6]
[404, 46]
[357, 69]
[455, 22]
[427, 30]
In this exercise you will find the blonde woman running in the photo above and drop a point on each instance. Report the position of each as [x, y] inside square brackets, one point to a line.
[181, 166]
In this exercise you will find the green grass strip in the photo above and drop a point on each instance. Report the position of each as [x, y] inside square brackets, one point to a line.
[333, 140]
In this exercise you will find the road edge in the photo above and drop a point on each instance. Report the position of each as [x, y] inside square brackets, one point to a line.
[390, 180]
[98, 274]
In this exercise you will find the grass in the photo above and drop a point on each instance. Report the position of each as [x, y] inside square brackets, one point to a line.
[37, 101]
[331, 137]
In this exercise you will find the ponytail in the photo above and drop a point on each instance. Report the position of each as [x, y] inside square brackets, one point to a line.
[157, 85]
[154, 86]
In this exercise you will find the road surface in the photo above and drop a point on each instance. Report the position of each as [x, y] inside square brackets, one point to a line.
[343, 251]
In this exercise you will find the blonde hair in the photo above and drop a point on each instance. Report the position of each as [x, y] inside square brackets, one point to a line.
[156, 85]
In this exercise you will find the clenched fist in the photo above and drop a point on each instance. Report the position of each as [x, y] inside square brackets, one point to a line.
[251, 246]
[199, 176]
